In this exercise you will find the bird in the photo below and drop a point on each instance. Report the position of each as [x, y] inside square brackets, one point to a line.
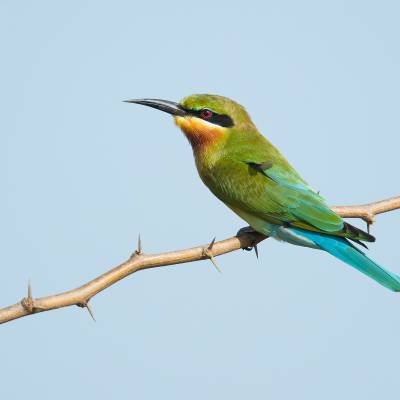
[244, 170]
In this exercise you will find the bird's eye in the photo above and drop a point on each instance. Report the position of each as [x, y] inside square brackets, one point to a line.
[205, 113]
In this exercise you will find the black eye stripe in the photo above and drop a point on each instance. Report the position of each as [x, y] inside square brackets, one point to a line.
[223, 120]
[219, 119]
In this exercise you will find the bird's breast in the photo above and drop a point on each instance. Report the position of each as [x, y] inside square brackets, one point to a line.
[233, 182]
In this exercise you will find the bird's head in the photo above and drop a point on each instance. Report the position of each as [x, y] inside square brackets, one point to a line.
[204, 118]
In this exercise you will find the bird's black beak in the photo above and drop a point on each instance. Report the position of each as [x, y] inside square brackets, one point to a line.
[169, 107]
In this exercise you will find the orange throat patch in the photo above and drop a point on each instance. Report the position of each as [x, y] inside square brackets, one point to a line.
[199, 133]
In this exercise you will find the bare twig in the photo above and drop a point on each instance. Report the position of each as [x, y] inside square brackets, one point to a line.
[139, 261]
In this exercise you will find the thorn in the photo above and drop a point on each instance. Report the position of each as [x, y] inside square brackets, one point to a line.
[29, 290]
[85, 304]
[369, 219]
[27, 302]
[208, 253]
[215, 264]
[90, 310]
[211, 245]
[138, 250]
[139, 245]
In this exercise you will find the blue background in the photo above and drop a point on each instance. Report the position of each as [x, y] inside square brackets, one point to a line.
[83, 173]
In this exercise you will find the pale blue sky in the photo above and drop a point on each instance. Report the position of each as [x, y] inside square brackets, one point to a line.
[83, 173]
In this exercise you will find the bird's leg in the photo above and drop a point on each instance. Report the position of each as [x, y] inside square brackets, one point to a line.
[248, 229]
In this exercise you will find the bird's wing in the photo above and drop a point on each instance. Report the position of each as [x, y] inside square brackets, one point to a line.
[298, 199]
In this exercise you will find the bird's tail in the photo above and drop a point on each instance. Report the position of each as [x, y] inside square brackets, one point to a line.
[345, 251]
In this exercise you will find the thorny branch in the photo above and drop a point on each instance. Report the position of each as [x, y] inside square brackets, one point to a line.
[139, 261]
[367, 212]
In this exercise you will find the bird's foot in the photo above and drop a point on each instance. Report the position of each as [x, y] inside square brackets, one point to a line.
[246, 230]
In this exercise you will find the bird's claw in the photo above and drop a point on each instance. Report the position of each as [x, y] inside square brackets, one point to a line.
[255, 248]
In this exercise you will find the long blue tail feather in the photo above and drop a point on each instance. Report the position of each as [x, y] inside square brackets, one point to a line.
[345, 251]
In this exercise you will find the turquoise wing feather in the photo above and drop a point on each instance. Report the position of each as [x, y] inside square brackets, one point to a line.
[300, 200]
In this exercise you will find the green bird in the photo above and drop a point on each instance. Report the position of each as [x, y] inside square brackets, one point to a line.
[247, 173]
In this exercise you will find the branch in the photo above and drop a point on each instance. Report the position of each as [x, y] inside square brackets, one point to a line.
[367, 212]
[139, 261]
